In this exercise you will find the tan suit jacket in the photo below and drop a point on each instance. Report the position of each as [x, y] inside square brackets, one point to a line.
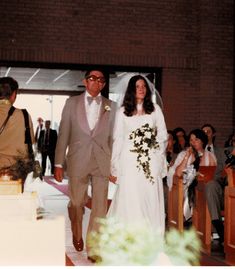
[13, 136]
[80, 142]
[83, 151]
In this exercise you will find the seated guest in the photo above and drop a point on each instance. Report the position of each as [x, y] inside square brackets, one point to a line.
[187, 164]
[230, 142]
[211, 134]
[171, 150]
[171, 154]
[215, 189]
[181, 139]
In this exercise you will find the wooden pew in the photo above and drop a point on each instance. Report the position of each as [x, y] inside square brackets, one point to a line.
[175, 204]
[201, 216]
[176, 200]
[229, 218]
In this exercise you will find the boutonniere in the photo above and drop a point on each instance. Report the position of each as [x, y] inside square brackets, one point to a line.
[107, 108]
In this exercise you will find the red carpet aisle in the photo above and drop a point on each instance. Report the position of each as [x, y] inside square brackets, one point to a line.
[58, 205]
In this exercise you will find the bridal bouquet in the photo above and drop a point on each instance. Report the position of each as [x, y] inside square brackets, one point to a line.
[144, 139]
[117, 243]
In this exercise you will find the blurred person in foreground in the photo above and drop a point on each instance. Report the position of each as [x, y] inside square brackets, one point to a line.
[13, 146]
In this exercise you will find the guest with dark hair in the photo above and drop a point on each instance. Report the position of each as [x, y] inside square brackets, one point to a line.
[171, 149]
[171, 154]
[187, 164]
[12, 126]
[211, 134]
[230, 142]
[181, 139]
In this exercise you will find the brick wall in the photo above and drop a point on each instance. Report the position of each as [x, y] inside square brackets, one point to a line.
[191, 40]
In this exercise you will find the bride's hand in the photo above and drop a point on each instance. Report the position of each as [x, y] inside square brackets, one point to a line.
[113, 179]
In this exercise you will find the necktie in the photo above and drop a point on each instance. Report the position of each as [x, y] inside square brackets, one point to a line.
[37, 131]
[97, 99]
[47, 138]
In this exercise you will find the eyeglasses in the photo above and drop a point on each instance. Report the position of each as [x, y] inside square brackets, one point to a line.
[95, 78]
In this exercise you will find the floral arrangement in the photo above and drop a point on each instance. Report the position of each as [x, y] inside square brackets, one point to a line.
[117, 243]
[144, 139]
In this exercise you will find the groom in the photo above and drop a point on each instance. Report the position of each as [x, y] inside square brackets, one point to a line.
[86, 133]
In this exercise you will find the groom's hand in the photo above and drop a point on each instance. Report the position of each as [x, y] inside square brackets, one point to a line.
[58, 174]
[113, 179]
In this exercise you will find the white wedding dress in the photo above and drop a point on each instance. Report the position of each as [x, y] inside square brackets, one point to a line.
[136, 198]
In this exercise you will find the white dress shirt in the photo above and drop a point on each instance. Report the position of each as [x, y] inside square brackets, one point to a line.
[92, 111]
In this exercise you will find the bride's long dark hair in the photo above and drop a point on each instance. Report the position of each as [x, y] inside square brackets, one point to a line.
[129, 101]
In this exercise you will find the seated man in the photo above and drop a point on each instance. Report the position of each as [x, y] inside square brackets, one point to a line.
[215, 191]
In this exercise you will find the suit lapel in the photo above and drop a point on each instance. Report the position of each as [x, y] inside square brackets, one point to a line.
[102, 117]
[81, 114]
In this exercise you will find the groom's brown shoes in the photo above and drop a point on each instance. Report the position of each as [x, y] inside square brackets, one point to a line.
[79, 245]
[91, 259]
[94, 259]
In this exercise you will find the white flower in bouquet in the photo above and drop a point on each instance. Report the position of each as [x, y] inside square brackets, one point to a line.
[144, 158]
[148, 134]
[145, 146]
[137, 140]
[144, 140]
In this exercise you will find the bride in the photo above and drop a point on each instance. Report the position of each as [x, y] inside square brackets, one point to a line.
[138, 161]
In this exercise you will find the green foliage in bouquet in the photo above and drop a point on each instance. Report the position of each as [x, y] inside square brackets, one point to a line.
[120, 244]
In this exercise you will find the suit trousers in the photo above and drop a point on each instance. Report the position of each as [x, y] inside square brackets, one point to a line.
[215, 199]
[78, 194]
[51, 155]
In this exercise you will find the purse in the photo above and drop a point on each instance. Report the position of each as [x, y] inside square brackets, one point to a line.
[37, 171]
[10, 112]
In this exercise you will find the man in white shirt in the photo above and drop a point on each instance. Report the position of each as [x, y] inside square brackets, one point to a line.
[86, 134]
[38, 129]
[211, 133]
[214, 190]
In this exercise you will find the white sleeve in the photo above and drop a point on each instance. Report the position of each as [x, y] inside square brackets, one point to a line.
[118, 136]
[162, 136]
[162, 139]
[171, 171]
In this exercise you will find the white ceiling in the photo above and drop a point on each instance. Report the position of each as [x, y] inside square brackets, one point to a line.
[42, 79]
[45, 79]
